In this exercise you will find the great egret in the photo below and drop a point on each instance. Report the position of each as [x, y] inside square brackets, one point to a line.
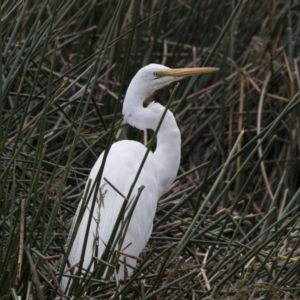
[121, 166]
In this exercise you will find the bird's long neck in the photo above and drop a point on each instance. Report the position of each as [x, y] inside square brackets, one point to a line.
[167, 153]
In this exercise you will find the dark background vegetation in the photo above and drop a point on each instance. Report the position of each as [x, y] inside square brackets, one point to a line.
[228, 228]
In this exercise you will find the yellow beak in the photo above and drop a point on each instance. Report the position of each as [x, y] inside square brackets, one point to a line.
[184, 72]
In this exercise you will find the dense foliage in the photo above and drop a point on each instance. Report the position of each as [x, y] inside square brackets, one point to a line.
[228, 228]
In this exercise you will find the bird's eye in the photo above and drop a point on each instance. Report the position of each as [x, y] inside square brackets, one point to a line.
[156, 74]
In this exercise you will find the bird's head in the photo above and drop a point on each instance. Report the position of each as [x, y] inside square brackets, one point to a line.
[154, 76]
[146, 81]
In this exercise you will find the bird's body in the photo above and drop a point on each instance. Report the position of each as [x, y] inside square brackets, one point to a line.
[121, 167]
[125, 156]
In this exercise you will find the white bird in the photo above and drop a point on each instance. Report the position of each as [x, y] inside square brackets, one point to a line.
[121, 167]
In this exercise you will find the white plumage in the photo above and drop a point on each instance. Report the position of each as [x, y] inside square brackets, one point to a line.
[122, 164]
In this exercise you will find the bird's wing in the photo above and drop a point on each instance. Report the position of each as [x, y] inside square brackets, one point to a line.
[120, 170]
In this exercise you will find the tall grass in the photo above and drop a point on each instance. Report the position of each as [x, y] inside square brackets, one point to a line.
[228, 228]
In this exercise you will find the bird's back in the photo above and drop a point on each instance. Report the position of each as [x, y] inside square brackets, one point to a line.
[120, 169]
